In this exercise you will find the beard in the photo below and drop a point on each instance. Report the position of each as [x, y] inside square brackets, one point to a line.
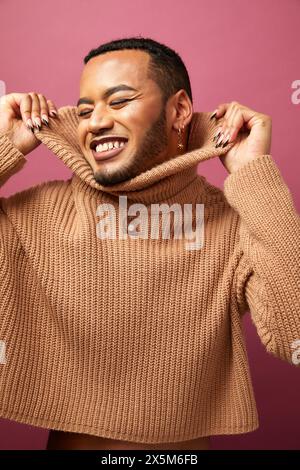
[146, 156]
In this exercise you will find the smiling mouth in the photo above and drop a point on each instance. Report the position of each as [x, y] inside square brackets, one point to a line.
[105, 151]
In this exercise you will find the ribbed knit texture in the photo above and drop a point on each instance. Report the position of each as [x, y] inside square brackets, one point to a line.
[140, 339]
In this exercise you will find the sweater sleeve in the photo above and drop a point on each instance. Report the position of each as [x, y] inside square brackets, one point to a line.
[268, 273]
[11, 159]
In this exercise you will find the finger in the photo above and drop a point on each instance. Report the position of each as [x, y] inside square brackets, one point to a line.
[239, 120]
[235, 122]
[220, 110]
[14, 99]
[52, 109]
[219, 113]
[35, 110]
[43, 109]
[24, 102]
[231, 124]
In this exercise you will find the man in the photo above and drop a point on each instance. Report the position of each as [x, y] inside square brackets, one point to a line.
[135, 342]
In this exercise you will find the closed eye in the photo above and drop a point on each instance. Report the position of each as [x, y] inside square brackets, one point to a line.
[84, 112]
[120, 101]
[113, 103]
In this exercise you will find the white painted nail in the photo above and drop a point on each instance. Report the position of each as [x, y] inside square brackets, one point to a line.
[29, 123]
[37, 122]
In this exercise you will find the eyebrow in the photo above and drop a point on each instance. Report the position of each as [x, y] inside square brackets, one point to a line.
[107, 93]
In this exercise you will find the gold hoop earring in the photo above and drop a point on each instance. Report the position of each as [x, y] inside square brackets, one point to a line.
[180, 143]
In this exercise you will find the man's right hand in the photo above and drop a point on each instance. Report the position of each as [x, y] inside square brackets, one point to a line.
[21, 112]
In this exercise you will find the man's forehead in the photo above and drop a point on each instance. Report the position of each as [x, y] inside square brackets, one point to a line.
[118, 62]
[106, 71]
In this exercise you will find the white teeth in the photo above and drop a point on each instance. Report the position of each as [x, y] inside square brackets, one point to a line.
[109, 145]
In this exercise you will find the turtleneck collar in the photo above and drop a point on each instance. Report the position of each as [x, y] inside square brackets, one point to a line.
[161, 182]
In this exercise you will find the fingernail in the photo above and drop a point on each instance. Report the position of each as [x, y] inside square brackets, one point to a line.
[45, 119]
[219, 142]
[53, 113]
[46, 122]
[226, 142]
[220, 139]
[213, 114]
[29, 124]
[216, 136]
[37, 123]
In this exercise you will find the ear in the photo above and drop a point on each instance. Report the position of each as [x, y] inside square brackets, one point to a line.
[182, 110]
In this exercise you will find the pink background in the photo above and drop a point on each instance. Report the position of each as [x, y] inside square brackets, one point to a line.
[234, 50]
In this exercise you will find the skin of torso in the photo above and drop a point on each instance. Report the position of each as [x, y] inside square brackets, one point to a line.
[69, 440]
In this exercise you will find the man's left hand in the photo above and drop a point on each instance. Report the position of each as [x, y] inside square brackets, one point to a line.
[251, 131]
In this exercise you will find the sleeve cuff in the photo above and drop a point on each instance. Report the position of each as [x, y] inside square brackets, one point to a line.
[11, 159]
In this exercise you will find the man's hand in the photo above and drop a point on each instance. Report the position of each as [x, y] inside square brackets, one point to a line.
[20, 114]
[235, 122]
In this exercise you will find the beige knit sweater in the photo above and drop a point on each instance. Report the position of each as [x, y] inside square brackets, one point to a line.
[140, 339]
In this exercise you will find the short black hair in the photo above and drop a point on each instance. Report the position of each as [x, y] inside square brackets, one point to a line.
[166, 67]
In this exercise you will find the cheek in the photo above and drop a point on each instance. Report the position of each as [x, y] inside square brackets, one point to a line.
[138, 118]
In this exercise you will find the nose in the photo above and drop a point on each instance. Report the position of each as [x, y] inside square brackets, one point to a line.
[99, 120]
